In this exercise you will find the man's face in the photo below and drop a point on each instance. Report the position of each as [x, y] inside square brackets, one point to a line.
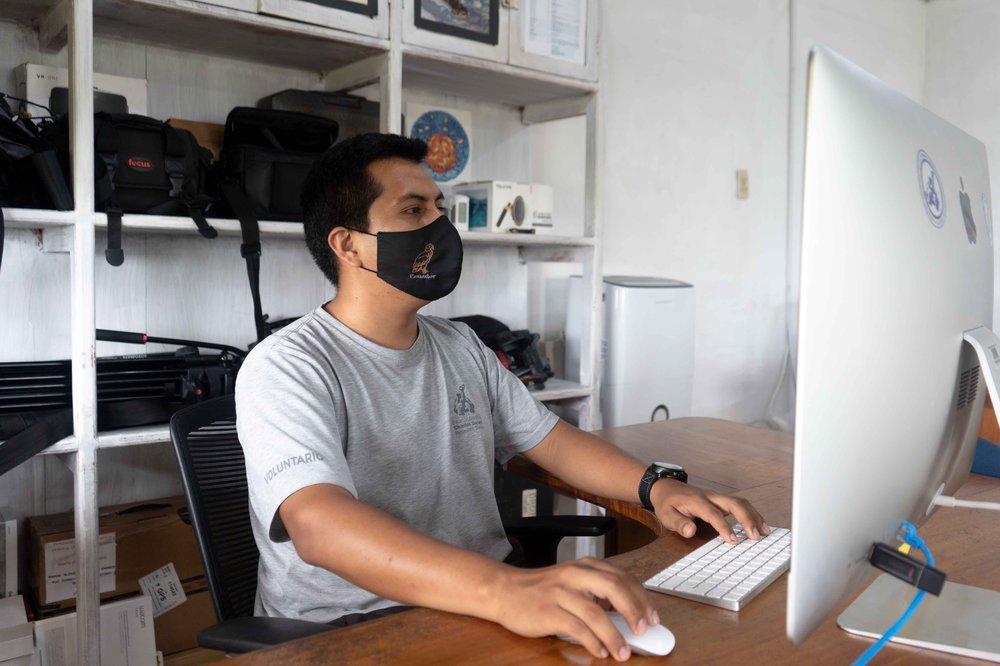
[410, 199]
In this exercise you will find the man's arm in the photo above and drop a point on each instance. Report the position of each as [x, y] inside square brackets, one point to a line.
[333, 530]
[589, 463]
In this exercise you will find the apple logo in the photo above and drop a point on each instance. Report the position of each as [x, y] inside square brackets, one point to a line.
[970, 224]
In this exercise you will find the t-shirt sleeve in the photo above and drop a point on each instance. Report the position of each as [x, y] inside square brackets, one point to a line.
[520, 422]
[288, 428]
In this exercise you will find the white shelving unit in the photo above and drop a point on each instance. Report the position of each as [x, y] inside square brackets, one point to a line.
[345, 61]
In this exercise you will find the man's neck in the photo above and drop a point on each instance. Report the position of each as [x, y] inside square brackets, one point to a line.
[390, 327]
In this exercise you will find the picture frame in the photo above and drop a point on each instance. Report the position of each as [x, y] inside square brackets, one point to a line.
[460, 18]
[363, 7]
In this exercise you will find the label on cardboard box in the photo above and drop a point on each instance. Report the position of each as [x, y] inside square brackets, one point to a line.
[60, 567]
[164, 588]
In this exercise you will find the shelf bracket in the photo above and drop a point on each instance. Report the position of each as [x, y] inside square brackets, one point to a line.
[355, 75]
[53, 29]
[557, 109]
[55, 239]
[541, 254]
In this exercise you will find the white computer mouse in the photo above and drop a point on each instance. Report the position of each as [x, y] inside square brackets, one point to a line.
[657, 641]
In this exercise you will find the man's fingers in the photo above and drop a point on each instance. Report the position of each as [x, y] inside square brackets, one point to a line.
[675, 521]
[622, 591]
[752, 522]
[597, 624]
[580, 633]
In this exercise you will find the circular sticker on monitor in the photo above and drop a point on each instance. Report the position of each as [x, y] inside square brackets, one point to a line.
[447, 144]
[930, 189]
[987, 217]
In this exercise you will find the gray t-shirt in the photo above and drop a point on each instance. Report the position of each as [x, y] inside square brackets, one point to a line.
[412, 432]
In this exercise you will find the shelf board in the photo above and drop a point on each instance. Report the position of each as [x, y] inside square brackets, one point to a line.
[555, 389]
[485, 80]
[199, 27]
[151, 434]
[561, 389]
[29, 218]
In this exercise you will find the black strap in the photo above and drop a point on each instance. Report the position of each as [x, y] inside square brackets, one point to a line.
[114, 253]
[22, 446]
[59, 425]
[250, 249]
[198, 215]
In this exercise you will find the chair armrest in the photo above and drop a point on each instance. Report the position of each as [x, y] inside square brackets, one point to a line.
[559, 526]
[245, 634]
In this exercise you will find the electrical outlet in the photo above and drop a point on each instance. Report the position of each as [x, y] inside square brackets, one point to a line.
[742, 184]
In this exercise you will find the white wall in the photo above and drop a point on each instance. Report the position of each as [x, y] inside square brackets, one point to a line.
[962, 86]
[693, 91]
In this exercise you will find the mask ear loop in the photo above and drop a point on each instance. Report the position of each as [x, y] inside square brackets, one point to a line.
[362, 266]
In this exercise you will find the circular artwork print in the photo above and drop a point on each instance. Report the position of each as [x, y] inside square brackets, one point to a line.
[447, 144]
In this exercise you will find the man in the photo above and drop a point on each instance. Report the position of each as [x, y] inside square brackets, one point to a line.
[370, 433]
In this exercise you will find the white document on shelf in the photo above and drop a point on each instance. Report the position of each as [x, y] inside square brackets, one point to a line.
[556, 29]
[60, 567]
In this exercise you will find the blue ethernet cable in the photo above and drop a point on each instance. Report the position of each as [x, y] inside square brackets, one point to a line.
[908, 533]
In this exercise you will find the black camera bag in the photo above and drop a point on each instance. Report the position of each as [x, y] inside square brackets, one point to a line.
[142, 165]
[30, 176]
[266, 156]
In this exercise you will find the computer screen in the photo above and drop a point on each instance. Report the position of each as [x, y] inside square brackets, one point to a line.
[896, 265]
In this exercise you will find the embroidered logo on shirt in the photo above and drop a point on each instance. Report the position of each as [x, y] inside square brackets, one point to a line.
[290, 462]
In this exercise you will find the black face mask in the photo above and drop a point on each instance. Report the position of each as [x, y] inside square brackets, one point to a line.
[425, 263]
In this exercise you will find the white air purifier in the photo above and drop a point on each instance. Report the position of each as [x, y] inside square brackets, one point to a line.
[647, 348]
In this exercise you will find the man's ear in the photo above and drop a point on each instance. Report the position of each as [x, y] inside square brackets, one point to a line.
[341, 243]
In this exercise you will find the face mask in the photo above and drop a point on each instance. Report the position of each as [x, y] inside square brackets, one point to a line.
[425, 263]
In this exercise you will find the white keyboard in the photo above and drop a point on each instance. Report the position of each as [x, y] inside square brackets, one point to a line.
[727, 576]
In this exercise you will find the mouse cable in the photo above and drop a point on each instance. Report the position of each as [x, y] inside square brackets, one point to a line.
[908, 535]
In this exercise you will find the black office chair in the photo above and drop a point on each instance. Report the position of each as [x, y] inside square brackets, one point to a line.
[214, 474]
[212, 468]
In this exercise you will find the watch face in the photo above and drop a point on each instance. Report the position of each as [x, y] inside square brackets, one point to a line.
[669, 466]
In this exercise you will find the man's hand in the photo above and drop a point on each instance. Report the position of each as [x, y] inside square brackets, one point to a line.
[566, 600]
[678, 503]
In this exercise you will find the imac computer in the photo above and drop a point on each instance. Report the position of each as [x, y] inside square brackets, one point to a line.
[894, 347]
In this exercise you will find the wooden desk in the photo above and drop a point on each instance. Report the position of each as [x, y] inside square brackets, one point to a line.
[756, 464]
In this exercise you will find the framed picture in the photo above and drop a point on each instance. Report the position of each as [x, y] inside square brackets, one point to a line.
[478, 20]
[365, 7]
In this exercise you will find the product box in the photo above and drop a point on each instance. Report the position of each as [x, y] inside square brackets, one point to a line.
[8, 554]
[126, 635]
[17, 640]
[135, 539]
[35, 83]
[501, 206]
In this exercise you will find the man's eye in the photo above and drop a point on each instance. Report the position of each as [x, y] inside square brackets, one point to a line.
[442, 209]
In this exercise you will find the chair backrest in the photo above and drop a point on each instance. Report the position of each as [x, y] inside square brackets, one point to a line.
[214, 474]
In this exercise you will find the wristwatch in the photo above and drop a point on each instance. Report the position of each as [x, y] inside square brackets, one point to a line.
[655, 472]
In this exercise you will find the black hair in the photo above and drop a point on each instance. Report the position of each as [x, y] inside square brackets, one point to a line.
[340, 189]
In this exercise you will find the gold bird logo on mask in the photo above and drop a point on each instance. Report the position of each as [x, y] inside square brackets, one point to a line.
[423, 259]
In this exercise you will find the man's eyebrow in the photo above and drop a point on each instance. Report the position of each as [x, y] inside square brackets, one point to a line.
[419, 197]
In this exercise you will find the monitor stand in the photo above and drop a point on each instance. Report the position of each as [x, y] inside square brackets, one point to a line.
[963, 620]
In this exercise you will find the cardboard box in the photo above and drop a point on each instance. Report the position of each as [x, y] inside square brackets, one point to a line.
[35, 84]
[126, 635]
[136, 539]
[177, 629]
[209, 135]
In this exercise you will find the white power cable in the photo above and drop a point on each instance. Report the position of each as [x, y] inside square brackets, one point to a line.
[945, 500]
